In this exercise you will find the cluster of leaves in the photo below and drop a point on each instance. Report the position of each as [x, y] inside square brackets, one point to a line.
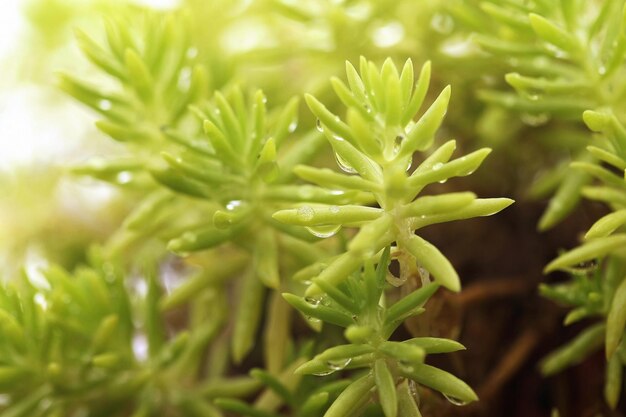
[87, 343]
[567, 61]
[377, 144]
[214, 173]
[360, 305]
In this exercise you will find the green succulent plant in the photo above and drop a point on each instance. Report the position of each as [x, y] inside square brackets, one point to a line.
[293, 280]
[376, 148]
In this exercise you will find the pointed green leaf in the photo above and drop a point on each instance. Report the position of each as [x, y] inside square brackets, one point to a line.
[441, 381]
[434, 262]
[607, 225]
[422, 134]
[613, 381]
[355, 395]
[319, 311]
[575, 351]
[616, 319]
[435, 344]
[415, 299]
[386, 386]
[554, 34]
[592, 249]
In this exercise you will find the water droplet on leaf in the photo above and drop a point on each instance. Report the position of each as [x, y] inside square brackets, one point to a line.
[323, 373]
[324, 231]
[454, 401]
[313, 301]
[585, 268]
[306, 213]
[437, 166]
[344, 165]
[338, 365]
[318, 125]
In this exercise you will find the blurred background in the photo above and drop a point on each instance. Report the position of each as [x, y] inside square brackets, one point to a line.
[43, 131]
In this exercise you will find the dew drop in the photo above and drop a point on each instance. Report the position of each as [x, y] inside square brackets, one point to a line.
[585, 268]
[454, 401]
[323, 373]
[344, 165]
[105, 105]
[313, 301]
[313, 320]
[318, 125]
[324, 231]
[437, 166]
[338, 365]
[306, 213]
[442, 23]
[443, 181]
[397, 144]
